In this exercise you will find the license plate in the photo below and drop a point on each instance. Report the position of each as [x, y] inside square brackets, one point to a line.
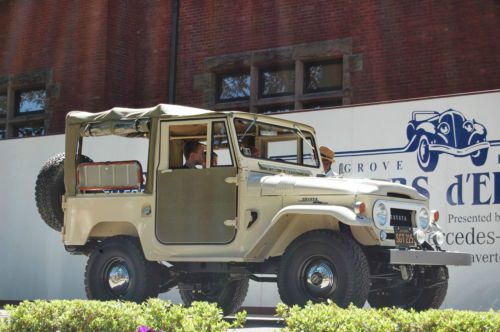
[403, 237]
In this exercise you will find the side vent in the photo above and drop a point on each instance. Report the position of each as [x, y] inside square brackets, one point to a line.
[253, 218]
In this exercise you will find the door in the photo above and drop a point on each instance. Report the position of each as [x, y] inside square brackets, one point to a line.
[196, 198]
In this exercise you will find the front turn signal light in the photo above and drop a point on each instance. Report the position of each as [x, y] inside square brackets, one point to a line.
[435, 215]
[360, 208]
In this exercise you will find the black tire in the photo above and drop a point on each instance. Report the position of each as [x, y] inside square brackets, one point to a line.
[427, 159]
[322, 265]
[216, 288]
[49, 190]
[121, 257]
[411, 296]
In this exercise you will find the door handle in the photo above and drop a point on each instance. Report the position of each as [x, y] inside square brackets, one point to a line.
[230, 223]
[231, 179]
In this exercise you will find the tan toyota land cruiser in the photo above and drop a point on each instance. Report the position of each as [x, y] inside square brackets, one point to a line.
[258, 207]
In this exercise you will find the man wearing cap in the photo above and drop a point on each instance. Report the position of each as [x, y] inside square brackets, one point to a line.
[327, 155]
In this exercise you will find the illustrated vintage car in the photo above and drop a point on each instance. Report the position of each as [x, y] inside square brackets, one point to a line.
[432, 133]
[264, 211]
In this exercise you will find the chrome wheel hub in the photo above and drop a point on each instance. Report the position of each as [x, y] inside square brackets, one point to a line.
[118, 278]
[320, 278]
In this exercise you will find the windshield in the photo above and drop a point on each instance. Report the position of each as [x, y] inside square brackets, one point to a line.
[280, 144]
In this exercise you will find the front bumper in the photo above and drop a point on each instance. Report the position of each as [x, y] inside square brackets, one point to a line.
[419, 257]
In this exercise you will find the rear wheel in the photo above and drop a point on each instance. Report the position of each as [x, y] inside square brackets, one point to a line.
[427, 291]
[219, 288]
[323, 265]
[117, 270]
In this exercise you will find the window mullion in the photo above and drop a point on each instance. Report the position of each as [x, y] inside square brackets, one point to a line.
[254, 88]
[299, 83]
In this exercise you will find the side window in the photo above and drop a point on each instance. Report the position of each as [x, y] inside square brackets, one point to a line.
[221, 150]
[187, 145]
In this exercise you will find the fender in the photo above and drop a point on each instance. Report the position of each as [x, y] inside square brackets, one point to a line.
[294, 220]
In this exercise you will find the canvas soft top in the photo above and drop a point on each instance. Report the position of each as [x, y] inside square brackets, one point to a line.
[136, 121]
[121, 113]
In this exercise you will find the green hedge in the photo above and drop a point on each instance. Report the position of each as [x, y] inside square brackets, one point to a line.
[155, 315]
[79, 315]
[329, 317]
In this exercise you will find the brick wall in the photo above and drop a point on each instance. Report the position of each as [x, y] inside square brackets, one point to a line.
[116, 53]
[409, 48]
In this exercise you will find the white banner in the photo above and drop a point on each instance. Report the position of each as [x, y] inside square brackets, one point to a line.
[449, 150]
[458, 170]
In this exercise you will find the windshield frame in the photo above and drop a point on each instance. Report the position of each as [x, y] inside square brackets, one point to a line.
[295, 130]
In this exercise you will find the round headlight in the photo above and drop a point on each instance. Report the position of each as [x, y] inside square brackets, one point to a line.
[380, 214]
[423, 218]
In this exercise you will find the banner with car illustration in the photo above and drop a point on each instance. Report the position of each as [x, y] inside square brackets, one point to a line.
[447, 148]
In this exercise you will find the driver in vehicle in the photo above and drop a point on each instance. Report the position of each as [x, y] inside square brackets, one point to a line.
[194, 154]
[215, 158]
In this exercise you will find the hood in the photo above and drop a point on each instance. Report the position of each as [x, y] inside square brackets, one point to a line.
[302, 186]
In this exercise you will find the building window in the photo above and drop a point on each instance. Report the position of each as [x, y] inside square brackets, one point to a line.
[322, 104]
[232, 87]
[29, 129]
[25, 100]
[277, 82]
[3, 105]
[312, 75]
[30, 101]
[275, 109]
[323, 76]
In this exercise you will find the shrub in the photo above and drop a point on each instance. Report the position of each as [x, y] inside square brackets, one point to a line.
[329, 317]
[79, 315]
[155, 315]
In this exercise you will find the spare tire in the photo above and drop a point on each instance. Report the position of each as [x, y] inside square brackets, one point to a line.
[49, 190]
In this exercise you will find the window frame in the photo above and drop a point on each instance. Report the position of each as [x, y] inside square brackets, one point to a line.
[309, 64]
[32, 123]
[276, 139]
[208, 160]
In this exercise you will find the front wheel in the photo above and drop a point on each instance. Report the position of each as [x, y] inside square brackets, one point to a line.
[117, 270]
[427, 293]
[219, 288]
[322, 265]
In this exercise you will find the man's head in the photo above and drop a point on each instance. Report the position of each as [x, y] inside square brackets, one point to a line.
[215, 159]
[193, 152]
[326, 157]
